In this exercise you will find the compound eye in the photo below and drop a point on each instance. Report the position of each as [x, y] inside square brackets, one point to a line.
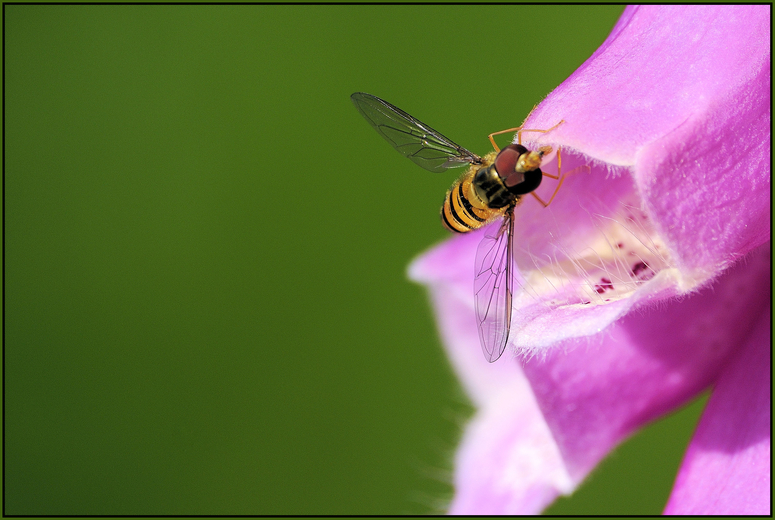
[517, 182]
[530, 181]
[506, 164]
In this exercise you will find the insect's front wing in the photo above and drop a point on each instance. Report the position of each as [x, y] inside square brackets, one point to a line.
[493, 288]
[412, 138]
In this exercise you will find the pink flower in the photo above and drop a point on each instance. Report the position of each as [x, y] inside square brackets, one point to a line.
[645, 282]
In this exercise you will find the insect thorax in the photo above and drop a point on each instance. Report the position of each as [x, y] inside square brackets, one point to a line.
[488, 187]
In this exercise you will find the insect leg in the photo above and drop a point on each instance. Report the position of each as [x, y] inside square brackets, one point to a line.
[517, 129]
[539, 199]
[519, 134]
[560, 177]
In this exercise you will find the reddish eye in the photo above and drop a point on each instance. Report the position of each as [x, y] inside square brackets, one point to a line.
[506, 163]
[518, 183]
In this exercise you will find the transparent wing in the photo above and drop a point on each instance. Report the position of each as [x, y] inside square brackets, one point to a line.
[493, 288]
[412, 138]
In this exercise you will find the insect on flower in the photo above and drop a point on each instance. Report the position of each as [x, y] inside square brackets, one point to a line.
[489, 190]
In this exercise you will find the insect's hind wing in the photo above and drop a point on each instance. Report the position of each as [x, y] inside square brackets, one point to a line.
[411, 137]
[493, 288]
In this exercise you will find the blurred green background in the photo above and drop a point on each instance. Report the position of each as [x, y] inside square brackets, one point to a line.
[206, 303]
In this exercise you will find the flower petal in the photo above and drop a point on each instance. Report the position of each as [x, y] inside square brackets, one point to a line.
[482, 380]
[658, 68]
[508, 462]
[649, 363]
[523, 449]
[727, 469]
[681, 96]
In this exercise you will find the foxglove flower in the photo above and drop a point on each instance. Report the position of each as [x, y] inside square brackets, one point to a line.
[645, 282]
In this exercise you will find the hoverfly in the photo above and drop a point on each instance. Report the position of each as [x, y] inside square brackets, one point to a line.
[490, 189]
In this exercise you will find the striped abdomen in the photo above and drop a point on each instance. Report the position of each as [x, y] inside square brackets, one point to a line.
[463, 210]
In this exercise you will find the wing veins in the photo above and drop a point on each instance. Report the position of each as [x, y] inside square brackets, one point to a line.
[493, 289]
[411, 137]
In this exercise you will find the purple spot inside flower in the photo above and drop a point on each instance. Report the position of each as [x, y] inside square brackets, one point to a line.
[642, 271]
[604, 285]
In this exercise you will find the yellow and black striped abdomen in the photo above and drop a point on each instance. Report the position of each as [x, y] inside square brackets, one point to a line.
[462, 211]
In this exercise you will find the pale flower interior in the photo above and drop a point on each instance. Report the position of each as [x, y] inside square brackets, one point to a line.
[595, 245]
[624, 254]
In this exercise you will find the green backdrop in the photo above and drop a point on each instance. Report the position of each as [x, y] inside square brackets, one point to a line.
[207, 310]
